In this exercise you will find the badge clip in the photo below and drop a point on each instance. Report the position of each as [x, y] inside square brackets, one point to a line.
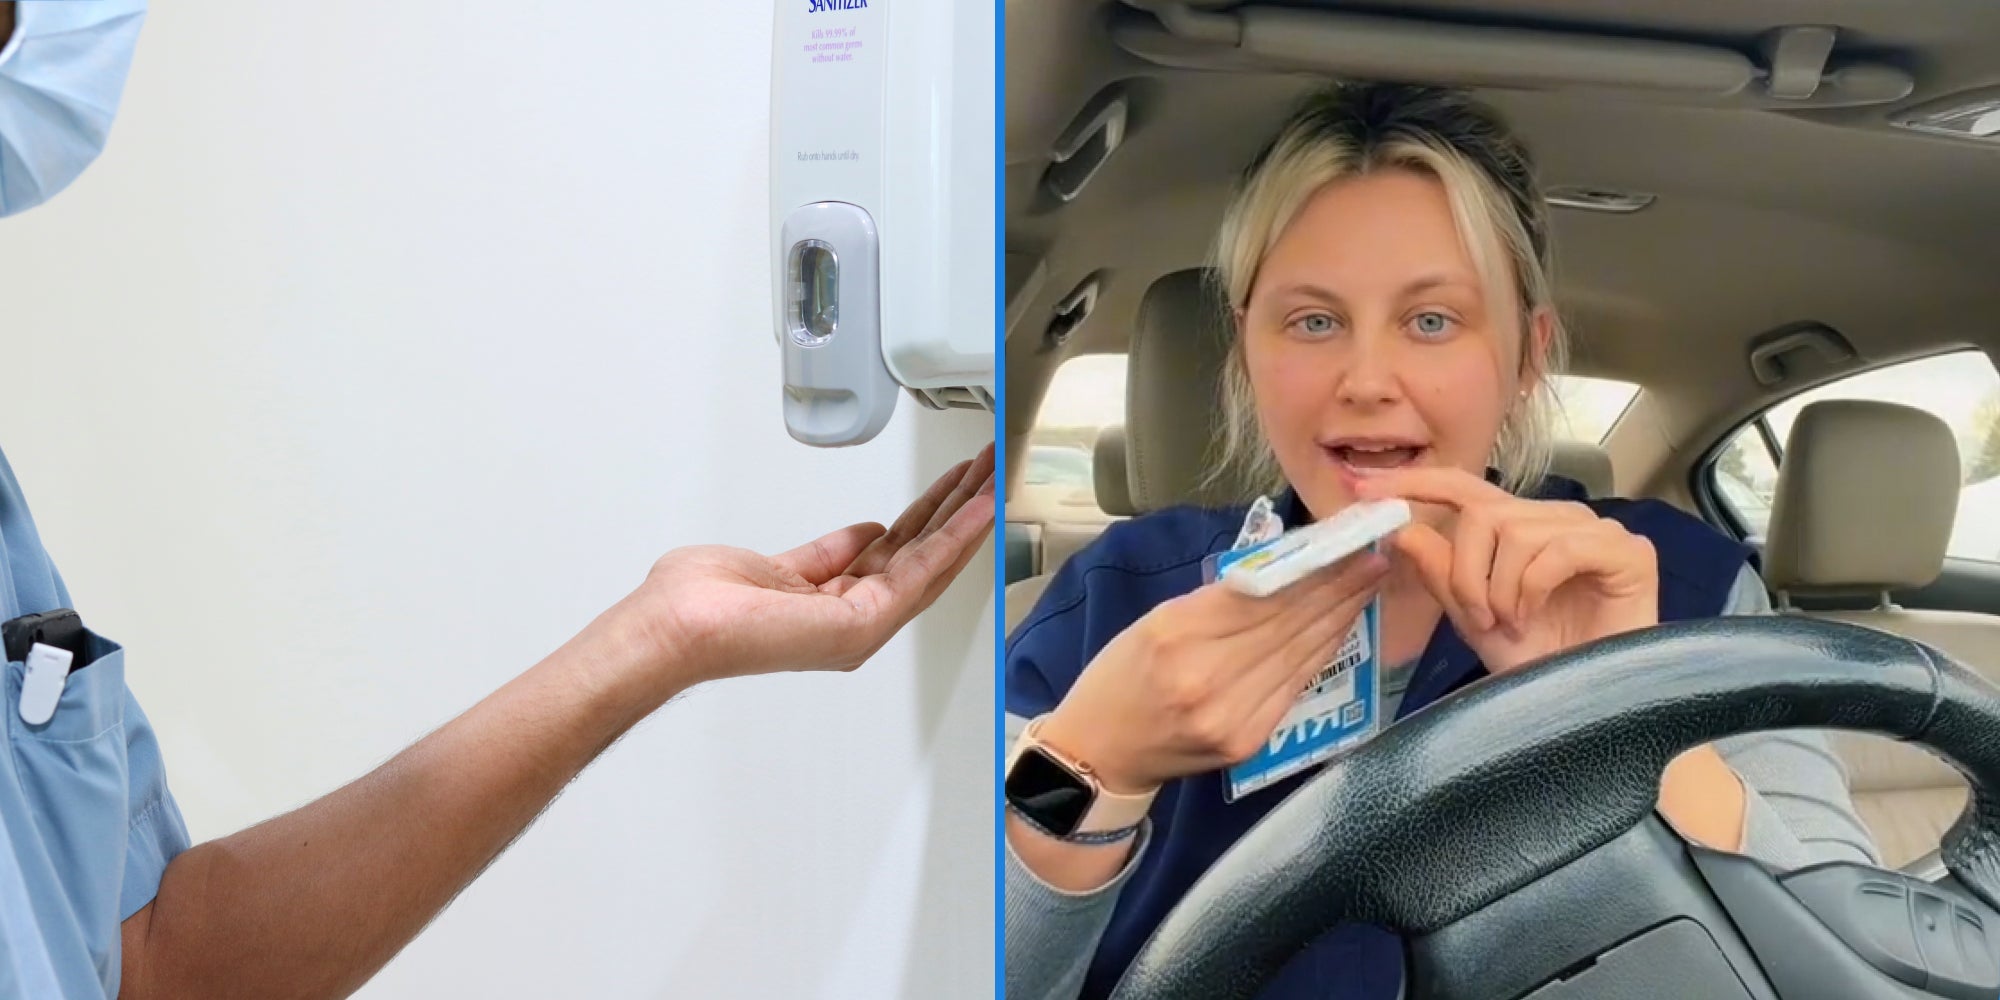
[42, 685]
[52, 645]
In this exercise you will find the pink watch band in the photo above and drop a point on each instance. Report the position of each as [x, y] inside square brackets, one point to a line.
[1109, 811]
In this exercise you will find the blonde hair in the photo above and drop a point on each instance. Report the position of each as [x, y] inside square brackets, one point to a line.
[1353, 130]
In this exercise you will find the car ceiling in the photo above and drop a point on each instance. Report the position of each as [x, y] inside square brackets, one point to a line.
[1763, 218]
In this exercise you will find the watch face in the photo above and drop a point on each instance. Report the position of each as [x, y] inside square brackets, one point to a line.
[1047, 793]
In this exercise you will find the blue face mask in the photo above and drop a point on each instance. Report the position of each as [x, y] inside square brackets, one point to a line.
[60, 79]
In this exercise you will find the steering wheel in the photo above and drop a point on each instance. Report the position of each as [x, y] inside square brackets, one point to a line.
[1508, 834]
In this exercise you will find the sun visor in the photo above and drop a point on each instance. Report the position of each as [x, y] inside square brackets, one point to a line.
[1798, 70]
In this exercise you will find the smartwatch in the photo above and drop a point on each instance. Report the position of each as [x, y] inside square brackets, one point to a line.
[1061, 795]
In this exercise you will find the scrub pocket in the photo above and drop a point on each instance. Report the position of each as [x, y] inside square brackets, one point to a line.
[73, 774]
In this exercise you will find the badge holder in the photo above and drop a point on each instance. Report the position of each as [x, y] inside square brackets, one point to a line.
[1341, 707]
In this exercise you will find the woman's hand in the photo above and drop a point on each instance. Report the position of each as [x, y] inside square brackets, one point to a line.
[710, 612]
[1522, 579]
[1200, 682]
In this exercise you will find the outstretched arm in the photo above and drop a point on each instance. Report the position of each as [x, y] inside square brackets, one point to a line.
[313, 903]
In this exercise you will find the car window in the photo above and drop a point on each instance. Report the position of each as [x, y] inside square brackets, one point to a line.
[1961, 388]
[1587, 407]
[1086, 396]
[1745, 477]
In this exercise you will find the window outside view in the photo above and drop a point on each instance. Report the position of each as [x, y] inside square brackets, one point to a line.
[1088, 395]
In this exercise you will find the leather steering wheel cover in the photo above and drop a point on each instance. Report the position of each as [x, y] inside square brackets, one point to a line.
[1554, 761]
[1967, 708]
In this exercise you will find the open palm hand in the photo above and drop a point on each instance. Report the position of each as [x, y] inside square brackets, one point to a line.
[827, 605]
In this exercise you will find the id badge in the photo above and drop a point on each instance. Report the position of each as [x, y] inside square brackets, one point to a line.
[1337, 711]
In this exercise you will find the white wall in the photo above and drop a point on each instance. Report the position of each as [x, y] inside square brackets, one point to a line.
[399, 339]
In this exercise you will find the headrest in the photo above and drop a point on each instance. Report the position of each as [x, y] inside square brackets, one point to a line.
[1107, 467]
[1866, 496]
[1173, 397]
[1586, 463]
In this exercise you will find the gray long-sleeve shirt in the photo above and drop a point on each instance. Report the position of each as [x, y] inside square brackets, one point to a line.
[1797, 812]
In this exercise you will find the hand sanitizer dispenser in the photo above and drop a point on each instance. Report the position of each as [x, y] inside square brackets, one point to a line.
[882, 210]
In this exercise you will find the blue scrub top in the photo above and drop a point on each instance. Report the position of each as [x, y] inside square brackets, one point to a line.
[86, 822]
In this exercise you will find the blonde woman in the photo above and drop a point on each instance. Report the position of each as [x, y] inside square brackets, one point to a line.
[1387, 265]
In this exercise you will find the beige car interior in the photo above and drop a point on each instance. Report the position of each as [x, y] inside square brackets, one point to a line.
[1865, 503]
[1171, 417]
[1738, 219]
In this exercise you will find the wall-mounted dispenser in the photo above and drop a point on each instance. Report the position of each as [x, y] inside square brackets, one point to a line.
[882, 210]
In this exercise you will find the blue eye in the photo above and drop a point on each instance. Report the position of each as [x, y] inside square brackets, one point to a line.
[1432, 325]
[1315, 325]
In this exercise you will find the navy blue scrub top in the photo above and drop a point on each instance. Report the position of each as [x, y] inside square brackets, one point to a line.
[1137, 564]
